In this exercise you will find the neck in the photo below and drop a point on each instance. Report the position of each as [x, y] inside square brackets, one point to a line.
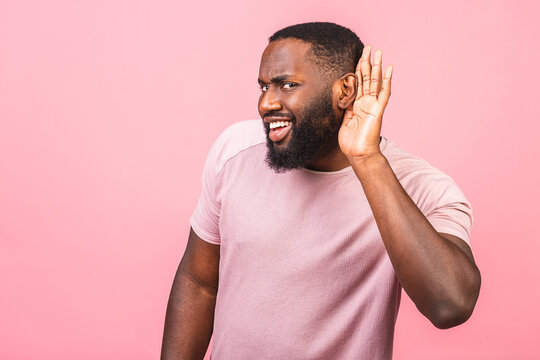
[334, 160]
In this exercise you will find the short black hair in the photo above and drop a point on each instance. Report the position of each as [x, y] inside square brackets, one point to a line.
[335, 48]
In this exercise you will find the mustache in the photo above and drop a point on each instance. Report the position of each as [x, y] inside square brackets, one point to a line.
[279, 114]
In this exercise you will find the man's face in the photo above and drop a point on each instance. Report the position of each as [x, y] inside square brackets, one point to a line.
[296, 105]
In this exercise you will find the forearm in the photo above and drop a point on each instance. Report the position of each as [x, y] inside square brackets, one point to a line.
[189, 320]
[438, 276]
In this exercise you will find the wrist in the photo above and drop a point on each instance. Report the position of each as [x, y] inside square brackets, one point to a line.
[368, 164]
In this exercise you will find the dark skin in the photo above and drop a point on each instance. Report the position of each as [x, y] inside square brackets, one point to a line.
[288, 81]
[190, 312]
[436, 270]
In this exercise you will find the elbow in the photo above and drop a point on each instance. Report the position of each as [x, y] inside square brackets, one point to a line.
[447, 317]
[457, 309]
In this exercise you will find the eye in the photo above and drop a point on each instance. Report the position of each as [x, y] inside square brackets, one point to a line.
[289, 85]
[264, 88]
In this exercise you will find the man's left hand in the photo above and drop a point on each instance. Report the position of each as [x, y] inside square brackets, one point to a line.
[359, 134]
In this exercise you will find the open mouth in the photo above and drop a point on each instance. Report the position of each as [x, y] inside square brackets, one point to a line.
[278, 130]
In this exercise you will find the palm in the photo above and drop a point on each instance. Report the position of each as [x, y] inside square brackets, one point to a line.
[361, 128]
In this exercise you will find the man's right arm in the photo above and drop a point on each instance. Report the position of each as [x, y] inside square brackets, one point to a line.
[190, 312]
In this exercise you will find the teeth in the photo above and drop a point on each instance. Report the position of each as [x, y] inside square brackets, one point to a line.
[277, 124]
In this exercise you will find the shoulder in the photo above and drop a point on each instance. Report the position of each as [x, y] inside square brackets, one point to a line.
[236, 139]
[421, 179]
[406, 165]
[435, 193]
[243, 134]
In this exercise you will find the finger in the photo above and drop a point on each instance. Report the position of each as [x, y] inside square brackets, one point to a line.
[375, 85]
[358, 73]
[385, 87]
[365, 69]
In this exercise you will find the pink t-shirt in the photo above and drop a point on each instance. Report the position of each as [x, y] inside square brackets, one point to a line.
[303, 271]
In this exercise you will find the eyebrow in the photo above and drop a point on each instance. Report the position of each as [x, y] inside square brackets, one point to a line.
[277, 79]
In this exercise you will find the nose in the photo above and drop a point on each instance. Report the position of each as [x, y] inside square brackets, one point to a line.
[269, 102]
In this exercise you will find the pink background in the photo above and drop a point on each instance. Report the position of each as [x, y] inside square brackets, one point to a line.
[109, 107]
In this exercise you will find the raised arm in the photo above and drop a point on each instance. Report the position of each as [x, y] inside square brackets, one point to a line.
[436, 270]
[190, 312]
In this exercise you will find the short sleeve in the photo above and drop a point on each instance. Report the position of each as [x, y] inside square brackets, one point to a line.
[441, 201]
[205, 217]
[233, 140]
[450, 212]
[436, 194]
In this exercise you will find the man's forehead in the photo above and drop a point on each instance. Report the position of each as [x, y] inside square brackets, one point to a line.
[285, 57]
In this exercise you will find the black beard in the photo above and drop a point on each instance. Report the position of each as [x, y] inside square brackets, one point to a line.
[313, 136]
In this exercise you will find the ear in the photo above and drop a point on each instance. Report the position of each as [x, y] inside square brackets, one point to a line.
[345, 88]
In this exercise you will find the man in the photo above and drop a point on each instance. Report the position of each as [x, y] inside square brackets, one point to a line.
[313, 222]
